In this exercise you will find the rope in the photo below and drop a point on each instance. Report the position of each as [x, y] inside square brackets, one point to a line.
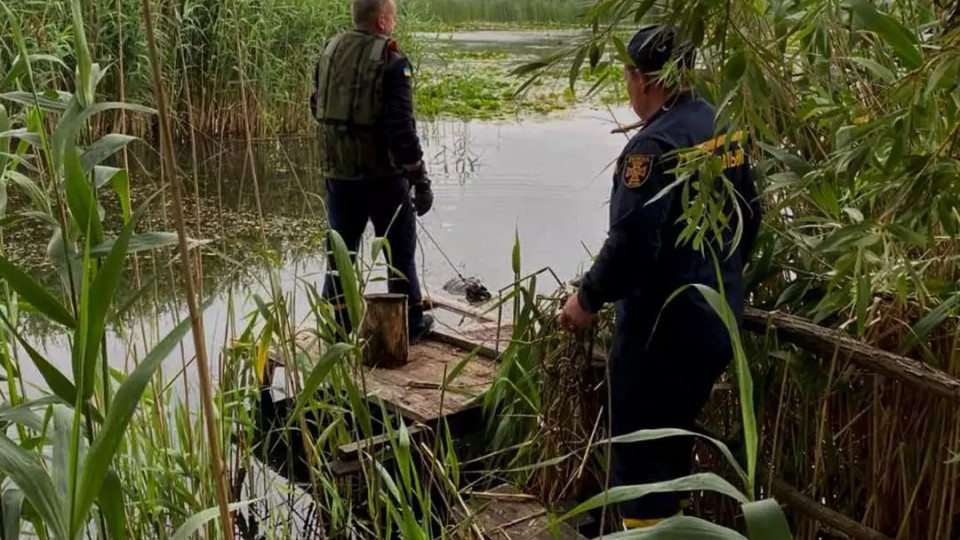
[437, 245]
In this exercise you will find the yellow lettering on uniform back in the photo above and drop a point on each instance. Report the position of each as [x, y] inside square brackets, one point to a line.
[733, 159]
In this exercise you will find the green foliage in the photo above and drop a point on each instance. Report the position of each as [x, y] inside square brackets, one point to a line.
[503, 11]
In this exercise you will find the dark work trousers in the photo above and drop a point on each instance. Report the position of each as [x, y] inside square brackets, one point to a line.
[386, 202]
[661, 384]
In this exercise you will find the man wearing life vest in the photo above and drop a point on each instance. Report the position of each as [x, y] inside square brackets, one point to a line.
[371, 155]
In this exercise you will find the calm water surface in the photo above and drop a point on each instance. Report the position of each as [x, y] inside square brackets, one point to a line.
[546, 180]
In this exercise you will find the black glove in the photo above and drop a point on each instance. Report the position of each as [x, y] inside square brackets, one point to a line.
[422, 197]
[422, 193]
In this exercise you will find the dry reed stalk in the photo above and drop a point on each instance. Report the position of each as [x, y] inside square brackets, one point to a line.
[196, 321]
[571, 403]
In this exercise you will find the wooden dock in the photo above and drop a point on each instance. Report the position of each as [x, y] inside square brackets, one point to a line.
[444, 381]
[504, 513]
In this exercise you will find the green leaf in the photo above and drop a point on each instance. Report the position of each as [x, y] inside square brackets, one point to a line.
[336, 353]
[59, 384]
[80, 198]
[577, 64]
[108, 145]
[24, 470]
[12, 501]
[142, 242]
[766, 521]
[654, 434]
[3, 197]
[37, 196]
[735, 67]
[622, 53]
[82, 54]
[22, 134]
[34, 294]
[515, 259]
[946, 72]
[695, 482]
[30, 100]
[19, 66]
[880, 71]
[642, 10]
[23, 415]
[864, 296]
[106, 106]
[680, 528]
[192, 525]
[527, 68]
[796, 163]
[348, 278]
[62, 435]
[102, 292]
[122, 409]
[930, 322]
[119, 180]
[904, 43]
[744, 378]
[112, 506]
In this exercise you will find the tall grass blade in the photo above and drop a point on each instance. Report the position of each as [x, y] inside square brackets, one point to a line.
[695, 482]
[106, 106]
[192, 525]
[105, 147]
[12, 502]
[892, 31]
[35, 295]
[119, 180]
[766, 521]
[930, 322]
[22, 415]
[744, 378]
[102, 292]
[24, 470]
[59, 384]
[654, 434]
[336, 353]
[515, 258]
[680, 528]
[62, 441]
[124, 405]
[80, 198]
[111, 505]
[29, 99]
[348, 277]
[139, 242]
[81, 50]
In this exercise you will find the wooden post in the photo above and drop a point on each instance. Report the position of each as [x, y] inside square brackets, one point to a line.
[385, 331]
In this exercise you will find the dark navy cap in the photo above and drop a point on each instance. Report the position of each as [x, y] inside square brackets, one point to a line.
[652, 47]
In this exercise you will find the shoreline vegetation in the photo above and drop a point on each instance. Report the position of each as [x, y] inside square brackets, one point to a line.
[841, 402]
[274, 66]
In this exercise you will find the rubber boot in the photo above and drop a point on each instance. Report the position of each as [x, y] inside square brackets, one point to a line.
[420, 325]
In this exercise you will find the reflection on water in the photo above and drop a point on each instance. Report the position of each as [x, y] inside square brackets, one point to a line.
[546, 180]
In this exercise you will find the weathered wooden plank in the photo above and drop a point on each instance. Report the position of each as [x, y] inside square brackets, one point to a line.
[464, 342]
[416, 389]
[504, 513]
[460, 308]
[828, 342]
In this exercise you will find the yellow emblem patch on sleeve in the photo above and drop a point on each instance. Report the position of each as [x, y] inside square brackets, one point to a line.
[637, 170]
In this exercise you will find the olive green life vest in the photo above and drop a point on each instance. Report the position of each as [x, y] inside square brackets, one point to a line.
[349, 106]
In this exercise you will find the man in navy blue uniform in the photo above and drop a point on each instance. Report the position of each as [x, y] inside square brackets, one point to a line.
[370, 153]
[662, 371]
